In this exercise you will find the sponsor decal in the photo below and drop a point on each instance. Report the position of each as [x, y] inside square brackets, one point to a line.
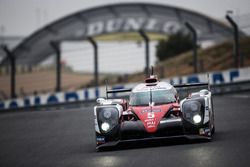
[152, 88]
[127, 24]
[153, 110]
[204, 131]
[151, 123]
[201, 131]
[207, 130]
[158, 88]
[100, 139]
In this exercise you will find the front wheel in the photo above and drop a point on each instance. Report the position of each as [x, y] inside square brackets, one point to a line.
[213, 130]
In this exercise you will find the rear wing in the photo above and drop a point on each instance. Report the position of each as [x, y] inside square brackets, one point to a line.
[191, 85]
[116, 91]
[195, 84]
[108, 91]
[184, 90]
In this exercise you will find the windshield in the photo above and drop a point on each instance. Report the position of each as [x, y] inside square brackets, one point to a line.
[159, 97]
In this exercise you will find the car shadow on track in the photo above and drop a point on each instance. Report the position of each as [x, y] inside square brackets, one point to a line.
[152, 143]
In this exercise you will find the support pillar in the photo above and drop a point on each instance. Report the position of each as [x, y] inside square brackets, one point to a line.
[146, 40]
[96, 72]
[236, 43]
[56, 47]
[194, 34]
[12, 59]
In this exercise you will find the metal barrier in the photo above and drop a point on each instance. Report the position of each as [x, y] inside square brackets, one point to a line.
[217, 89]
[234, 87]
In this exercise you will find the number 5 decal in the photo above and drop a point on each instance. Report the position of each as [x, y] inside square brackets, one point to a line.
[151, 115]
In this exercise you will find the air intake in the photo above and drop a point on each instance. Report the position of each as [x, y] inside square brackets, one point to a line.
[152, 80]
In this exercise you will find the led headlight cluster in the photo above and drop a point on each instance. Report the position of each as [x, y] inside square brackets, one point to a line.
[197, 118]
[105, 126]
[192, 111]
[107, 118]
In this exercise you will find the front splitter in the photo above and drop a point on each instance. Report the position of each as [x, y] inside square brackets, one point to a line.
[115, 143]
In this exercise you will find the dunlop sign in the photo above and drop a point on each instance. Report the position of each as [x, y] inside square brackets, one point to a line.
[130, 24]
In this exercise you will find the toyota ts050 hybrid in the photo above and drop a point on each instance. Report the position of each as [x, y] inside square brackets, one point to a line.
[155, 111]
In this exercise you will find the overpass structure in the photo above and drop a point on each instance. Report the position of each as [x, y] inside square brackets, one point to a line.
[113, 19]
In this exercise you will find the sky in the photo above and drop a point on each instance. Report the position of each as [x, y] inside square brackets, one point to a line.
[23, 17]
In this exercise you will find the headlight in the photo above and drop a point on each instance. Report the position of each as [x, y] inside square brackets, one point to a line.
[193, 111]
[105, 126]
[107, 118]
[197, 118]
[107, 114]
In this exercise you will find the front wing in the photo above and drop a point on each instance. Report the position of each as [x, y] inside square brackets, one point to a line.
[130, 131]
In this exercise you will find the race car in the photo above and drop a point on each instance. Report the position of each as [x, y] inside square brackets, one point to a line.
[155, 110]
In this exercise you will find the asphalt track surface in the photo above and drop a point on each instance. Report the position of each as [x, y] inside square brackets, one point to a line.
[66, 138]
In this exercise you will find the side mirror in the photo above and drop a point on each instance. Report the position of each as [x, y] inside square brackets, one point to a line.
[100, 100]
[204, 92]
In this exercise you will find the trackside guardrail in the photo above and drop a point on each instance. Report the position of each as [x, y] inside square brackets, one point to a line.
[217, 89]
[235, 87]
[228, 81]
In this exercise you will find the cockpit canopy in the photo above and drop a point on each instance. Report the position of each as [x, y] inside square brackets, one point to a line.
[156, 97]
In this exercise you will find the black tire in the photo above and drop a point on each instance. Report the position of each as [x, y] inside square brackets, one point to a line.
[213, 130]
